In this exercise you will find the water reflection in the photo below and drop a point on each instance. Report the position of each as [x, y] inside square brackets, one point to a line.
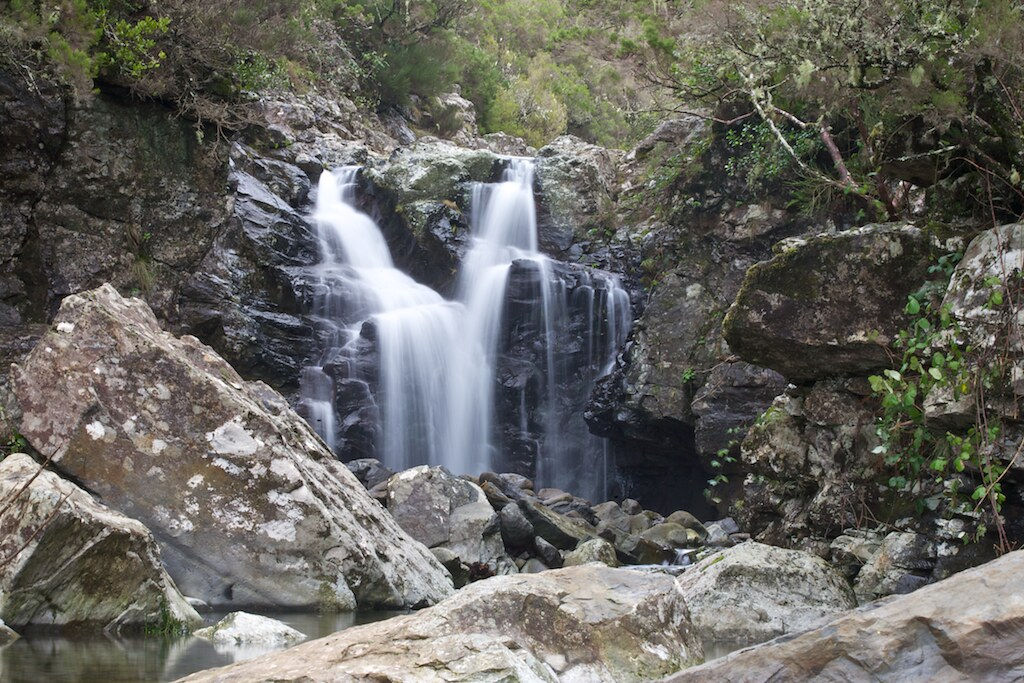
[85, 658]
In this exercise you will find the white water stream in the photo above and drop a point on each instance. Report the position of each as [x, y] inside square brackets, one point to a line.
[437, 358]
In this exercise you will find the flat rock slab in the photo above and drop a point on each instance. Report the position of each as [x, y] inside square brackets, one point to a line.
[969, 627]
[588, 623]
[248, 505]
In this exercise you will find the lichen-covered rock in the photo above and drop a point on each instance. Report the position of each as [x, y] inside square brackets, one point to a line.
[594, 550]
[830, 304]
[443, 511]
[967, 627]
[587, 623]
[576, 182]
[901, 563]
[67, 560]
[247, 503]
[753, 592]
[242, 628]
[807, 464]
[432, 169]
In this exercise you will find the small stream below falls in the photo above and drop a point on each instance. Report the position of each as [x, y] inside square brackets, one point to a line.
[430, 368]
[98, 658]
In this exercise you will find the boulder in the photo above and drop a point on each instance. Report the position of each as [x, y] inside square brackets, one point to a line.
[588, 623]
[967, 627]
[753, 592]
[433, 170]
[594, 550]
[248, 505]
[576, 182]
[516, 529]
[242, 628]
[67, 560]
[534, 566]
[687, 521]
[7, 634]
[853, 549]
[369, 471]
[671, 536]
[901, 563]
[558, 530]
[547, 553]
[440, 510]
[830, 304]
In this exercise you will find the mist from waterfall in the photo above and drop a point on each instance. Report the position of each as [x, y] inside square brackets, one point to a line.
[438, 359]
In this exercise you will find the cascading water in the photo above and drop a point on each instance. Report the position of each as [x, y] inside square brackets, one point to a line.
[437, 360]
[414, 327]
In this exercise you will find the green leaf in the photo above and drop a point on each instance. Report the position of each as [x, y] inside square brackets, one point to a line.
[917, 75]
[978, 493]
[936, 374]
[924, 324]
[913, 306]
[893, 375]
[938, 360]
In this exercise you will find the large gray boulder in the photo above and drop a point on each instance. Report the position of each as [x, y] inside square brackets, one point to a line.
[248, 505]
[67, 560]
[966, 628]
[830, 304]
[753, 592]
[443, 511]
[588, 623]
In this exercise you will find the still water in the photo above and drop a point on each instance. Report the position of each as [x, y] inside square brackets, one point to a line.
[98, 658]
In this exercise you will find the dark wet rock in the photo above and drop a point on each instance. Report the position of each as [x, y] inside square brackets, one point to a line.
[558, 530]
[516, 529]
[830, 304]
[547, 553]
[671, 536]
[369, 471]
[734, 395]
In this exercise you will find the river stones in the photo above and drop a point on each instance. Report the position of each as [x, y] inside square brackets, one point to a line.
[242, 628]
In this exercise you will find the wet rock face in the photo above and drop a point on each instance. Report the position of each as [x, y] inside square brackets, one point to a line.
[830, 304]
[753, 592]
[966, 627]
[582, 347]
[246, 493]
[69, 561]
[119, 192]
[587, 623]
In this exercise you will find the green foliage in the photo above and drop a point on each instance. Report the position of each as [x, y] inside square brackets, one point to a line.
[166, 625]
[758, 158]
[83, 38]
[939, 361]
[900, 94]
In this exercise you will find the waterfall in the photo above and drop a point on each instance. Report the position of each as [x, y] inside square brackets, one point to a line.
[437, 360]
[414, 327]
